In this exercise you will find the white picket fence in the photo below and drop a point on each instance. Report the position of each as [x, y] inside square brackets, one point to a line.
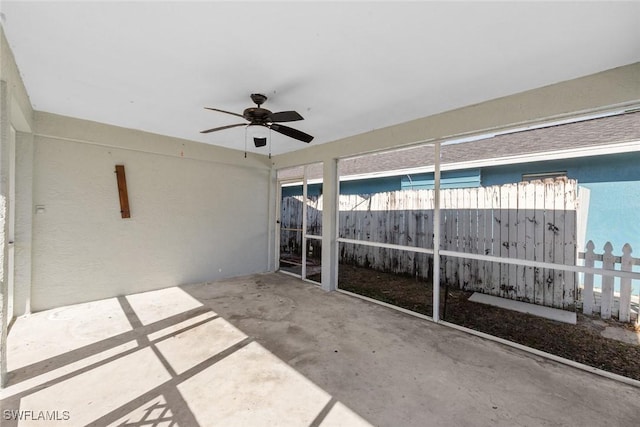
[623, 304]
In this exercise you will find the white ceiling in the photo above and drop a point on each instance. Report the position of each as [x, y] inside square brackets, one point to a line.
[347, 68]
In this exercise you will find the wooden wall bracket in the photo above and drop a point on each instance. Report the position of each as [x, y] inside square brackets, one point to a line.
[122, 191]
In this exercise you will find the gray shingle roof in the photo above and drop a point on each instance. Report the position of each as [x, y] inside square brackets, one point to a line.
[588, 133]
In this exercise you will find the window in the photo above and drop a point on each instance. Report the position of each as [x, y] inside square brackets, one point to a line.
[449, 179]
[526, 177]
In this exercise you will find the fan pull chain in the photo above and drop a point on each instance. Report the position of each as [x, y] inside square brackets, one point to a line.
[270, 136]
[245, 141]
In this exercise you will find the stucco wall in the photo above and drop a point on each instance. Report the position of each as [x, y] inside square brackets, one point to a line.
[24, 223]
[197, 213]
[15, 112]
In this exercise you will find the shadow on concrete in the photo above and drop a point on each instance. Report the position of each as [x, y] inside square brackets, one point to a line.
[61, 390]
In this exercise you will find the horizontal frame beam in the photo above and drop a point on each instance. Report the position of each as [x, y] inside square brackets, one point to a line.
[514, 261]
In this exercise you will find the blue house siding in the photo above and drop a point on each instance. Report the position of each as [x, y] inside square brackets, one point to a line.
[372, 185]
[609, 168]
[358, 186]
[614, 184]
[465, 178]
[419, 181]
[296, 190]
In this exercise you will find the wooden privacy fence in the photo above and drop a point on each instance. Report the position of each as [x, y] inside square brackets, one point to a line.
[607, 302]
[291, 226]
[529, 221]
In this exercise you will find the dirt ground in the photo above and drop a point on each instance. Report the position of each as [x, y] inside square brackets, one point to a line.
[582, 342]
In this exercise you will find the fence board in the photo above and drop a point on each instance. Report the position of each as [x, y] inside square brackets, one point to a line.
[608, 263]
[588, 300]
[624, 315]
[482, 239]
[570, 244]
[521, 284]
[515, 220]
[529, 242]
[450, 229]
[504, 238]
[558, 242]
[549, 239]
[411, 230]
[512, 225]
[466, 235]
[489, 236]
[458, 246]
[496, 243]
[427, 220]
[473, 282]
[539, 233]
[444, 238]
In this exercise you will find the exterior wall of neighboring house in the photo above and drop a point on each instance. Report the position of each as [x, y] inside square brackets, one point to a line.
[360, 186]
[614, 184]
[613, 181]
[450, 179]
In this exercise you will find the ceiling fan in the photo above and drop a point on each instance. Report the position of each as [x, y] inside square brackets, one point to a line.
[262, 119]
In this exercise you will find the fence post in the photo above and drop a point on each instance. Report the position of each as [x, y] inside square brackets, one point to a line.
[625, 285]
[587, 297]
[608, 263]
[569, 292]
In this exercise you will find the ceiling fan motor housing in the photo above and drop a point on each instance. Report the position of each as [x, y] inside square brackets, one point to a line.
[257, 115]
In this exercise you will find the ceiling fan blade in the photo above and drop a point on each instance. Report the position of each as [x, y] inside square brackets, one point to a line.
[285, 116]
[223, 127]
[223, 111]
[292, 133]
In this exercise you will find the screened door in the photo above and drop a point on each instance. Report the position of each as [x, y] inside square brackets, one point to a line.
[300, 221]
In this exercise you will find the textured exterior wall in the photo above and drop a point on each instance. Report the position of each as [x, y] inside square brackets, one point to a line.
[191, 220]
[24, 218]
[16, 112]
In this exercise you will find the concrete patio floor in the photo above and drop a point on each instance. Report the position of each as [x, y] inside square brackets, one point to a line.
[272, 350]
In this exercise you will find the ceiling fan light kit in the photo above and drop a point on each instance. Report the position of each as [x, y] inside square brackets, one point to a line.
[260, 134]
[262, 121]
[261, 142]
